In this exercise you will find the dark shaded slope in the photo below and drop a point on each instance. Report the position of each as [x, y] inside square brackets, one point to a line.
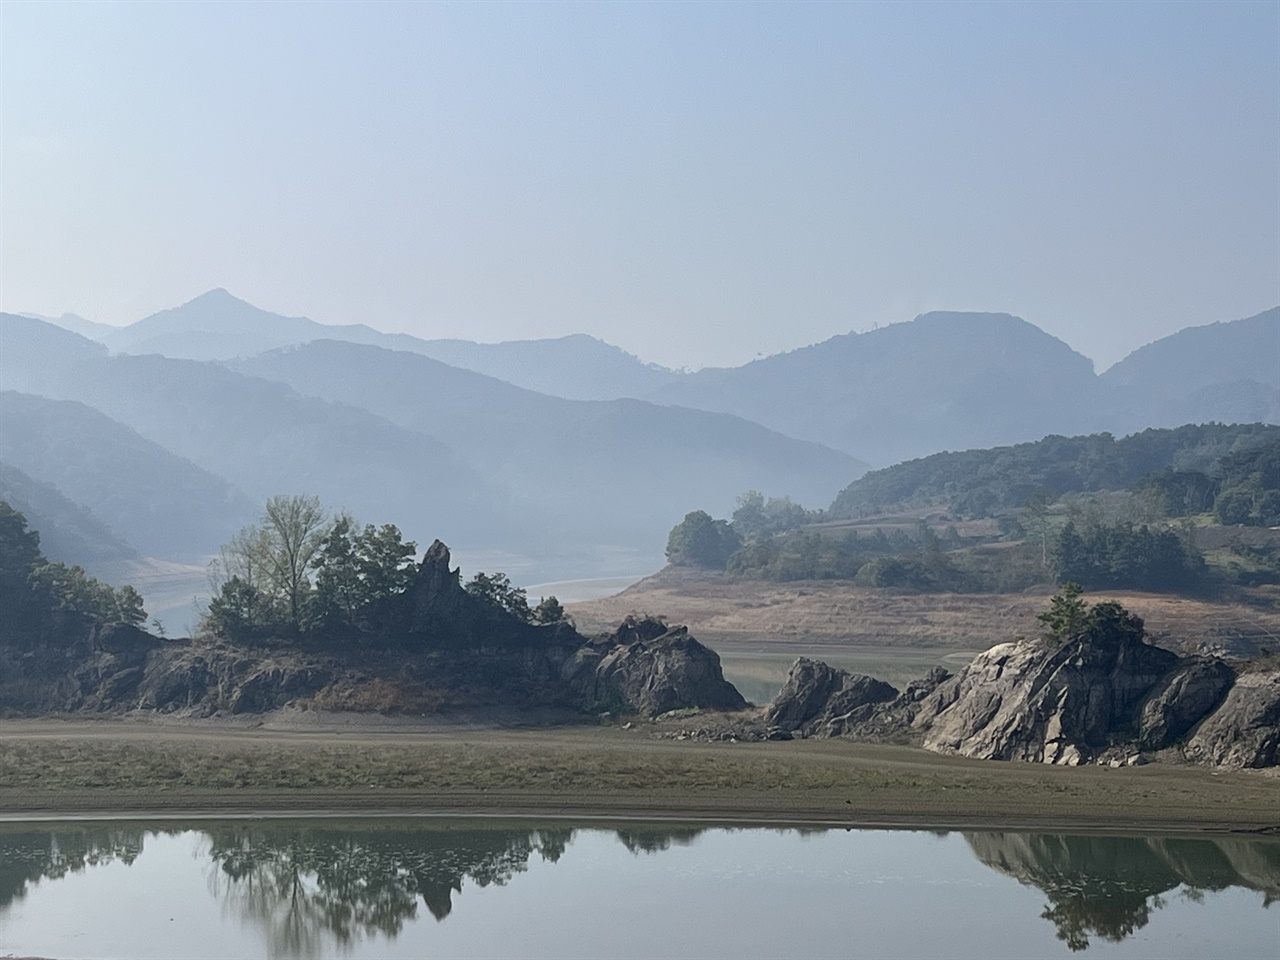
[170, 507]
[1228, 372]
[69, 533]
[607, 469]
[944, 380]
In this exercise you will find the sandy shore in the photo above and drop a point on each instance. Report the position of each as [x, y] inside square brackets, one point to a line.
[114, 769]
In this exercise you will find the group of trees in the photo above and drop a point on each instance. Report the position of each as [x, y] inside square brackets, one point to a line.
[303, 575]
[1123, 555]
[40, 598]
[701, 541]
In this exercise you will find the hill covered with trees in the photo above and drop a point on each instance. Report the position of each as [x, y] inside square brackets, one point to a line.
[980, 483]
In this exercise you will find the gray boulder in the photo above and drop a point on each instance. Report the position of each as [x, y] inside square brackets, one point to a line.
[649, 669]
[1181, 700]
[1245, 730]
[818, 699]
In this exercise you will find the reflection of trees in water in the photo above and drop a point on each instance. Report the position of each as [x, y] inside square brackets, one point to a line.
[31, 856]
[304, 887]
[1108, 886]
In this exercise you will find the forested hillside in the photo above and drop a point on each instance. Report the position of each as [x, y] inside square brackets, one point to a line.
[978, 483]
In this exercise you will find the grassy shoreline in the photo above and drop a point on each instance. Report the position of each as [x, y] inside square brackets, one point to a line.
[83, 770]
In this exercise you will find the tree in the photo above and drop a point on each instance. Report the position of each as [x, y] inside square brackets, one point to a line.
[1036, 509]
[497, 591]
[549, 610]
[701, 541]
[295, 528]
[1065, 619]
[270, 564]
[359, 575]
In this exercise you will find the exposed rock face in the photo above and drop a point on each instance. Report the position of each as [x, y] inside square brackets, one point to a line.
[1245, 730]
[1179, 701]
[1105, 694]
[650, 669]
[820, 699]
[1036, 701]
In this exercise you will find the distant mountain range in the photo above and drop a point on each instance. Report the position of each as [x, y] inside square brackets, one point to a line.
[942, 381]
[612, 469]
[550, 448]
[219, 326]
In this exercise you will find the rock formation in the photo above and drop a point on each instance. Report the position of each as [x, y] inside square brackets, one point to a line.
[457, 651]
[644, 667]
[1245, 730]
[817, 699]
[1103, 694]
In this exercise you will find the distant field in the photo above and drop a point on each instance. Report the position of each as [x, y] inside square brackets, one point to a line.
[759, 627]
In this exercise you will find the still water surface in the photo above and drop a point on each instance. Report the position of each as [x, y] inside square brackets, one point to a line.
[397, 888]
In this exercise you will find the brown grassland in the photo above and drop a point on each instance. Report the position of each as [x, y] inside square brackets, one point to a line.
[758, 628]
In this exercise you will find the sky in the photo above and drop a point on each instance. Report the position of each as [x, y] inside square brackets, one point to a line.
[698, 183]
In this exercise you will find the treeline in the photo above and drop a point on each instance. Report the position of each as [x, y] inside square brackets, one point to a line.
[303, 576]
[43, 600]
[1242, 488]
[1098, 555]
[983, 483]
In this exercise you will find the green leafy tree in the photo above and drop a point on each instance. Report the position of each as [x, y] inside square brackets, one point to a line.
[497, 591]
[549, 610]
[1065, 619]
[700, 541]
[37, 596]
[360, 575]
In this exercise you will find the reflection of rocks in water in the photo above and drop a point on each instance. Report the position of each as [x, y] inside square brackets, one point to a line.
[305, 886]
[29, 857]
[1108, 886]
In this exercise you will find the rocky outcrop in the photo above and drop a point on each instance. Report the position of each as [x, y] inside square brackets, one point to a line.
[823, 700]
[645, 667]
[457, 651]
[1051, 703]
[1182, 699]
[1106, 695]
[1245, 730]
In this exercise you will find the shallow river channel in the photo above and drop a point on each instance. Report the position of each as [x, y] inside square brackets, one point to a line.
[429, 888]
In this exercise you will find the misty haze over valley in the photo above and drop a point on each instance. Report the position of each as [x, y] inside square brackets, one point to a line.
[555, 459]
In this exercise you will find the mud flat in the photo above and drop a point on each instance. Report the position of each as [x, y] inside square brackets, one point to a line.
[73, 768]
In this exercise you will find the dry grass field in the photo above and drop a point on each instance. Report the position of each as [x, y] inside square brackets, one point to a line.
[759, 627]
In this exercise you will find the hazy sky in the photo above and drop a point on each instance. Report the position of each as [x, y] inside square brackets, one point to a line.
[699, 183]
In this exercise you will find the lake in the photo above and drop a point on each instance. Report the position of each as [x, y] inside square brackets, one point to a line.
[483, 888]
